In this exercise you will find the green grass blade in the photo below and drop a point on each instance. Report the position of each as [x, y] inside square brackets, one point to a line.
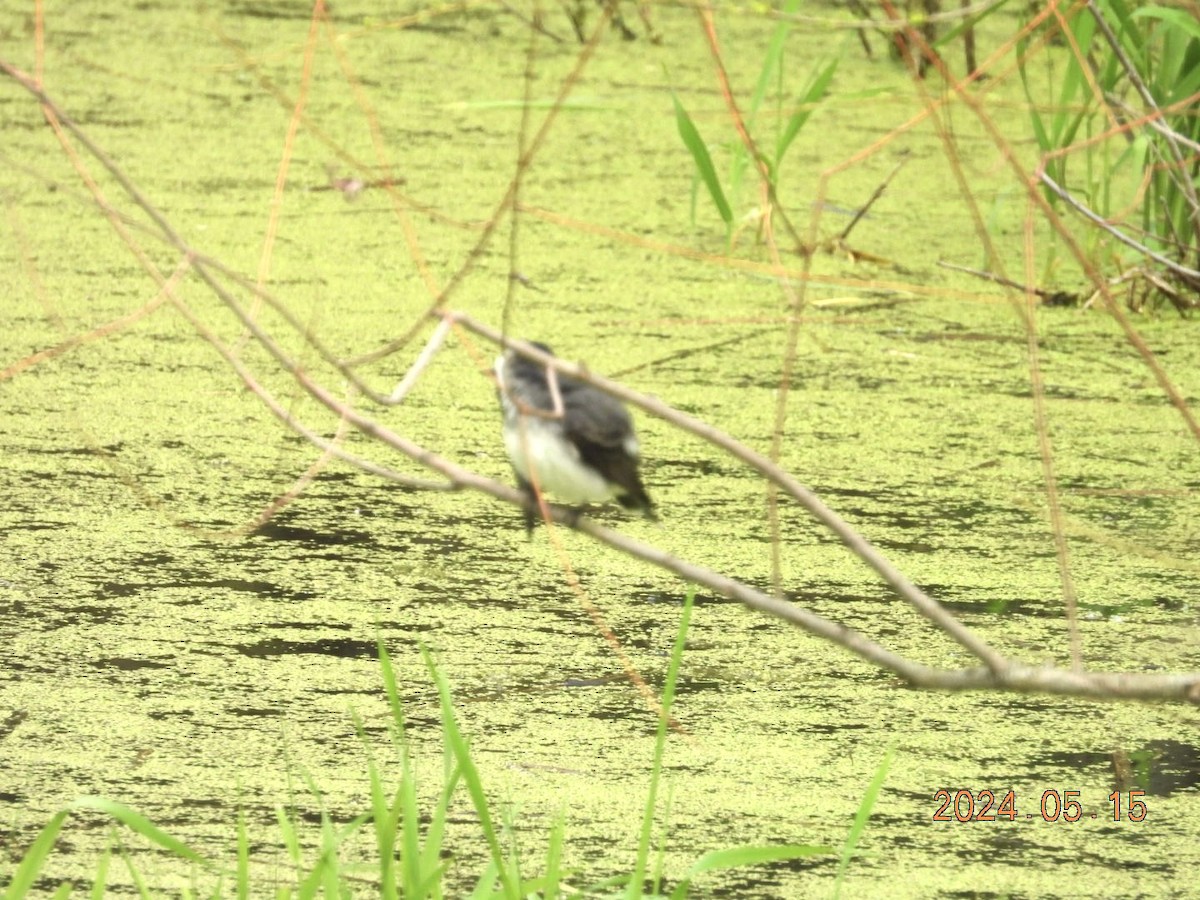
[470, 774]
[134, 875]
[772, 66]
[553, 875]
[704, 164]
[415, 862]
[813, 94]
[861, 817]
[430, 887]
[431, 855]
[483, 887]
[100, 882]
[772, 59]
[661, 857]
[753, 855]
[637, 878]
[243, 857]
[393, 694]
[384, 818]
[950, 37]
[287, 830]
[1176, 17]
[746, 855]
[35, 857]
[329, 858]
[139, 824]
[1036, 122]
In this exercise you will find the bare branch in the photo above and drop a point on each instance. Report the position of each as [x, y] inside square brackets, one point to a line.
[769, 470]
[997, 671]
[1182, 271]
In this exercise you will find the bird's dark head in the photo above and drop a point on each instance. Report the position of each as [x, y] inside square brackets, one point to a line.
[523, 368]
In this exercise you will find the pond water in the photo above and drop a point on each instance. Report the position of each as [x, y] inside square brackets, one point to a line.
[155, 654]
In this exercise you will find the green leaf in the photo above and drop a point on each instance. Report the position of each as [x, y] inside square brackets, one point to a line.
[139, 824]
[810, 98]
[35, 857]
[704, 164]
[1177, 18]
[753, 855]
[863, 814]
[470, 776]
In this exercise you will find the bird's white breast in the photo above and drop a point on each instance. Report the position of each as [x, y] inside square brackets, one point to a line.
[541, 454]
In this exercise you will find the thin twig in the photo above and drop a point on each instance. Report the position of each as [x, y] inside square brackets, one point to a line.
[1000, 279]
[417, 369]
[862, 210]
[1182, 271]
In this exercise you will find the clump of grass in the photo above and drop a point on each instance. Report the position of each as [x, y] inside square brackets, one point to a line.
[771, 74]
[1120, 114]
[411, 858]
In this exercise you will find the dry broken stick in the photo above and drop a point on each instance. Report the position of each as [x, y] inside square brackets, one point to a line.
[1049, 298]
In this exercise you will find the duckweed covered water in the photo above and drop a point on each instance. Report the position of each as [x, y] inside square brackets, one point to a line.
[154, 656]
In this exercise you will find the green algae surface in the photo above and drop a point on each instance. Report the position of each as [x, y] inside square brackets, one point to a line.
[156, 655]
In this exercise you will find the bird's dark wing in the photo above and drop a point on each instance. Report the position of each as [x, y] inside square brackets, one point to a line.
[593, 415]
[601, 429]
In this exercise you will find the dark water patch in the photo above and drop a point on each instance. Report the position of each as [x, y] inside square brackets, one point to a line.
[829, 594]
[274, 530]
[67, 616]
[101, 450]
[125, 664]
[598, 681]
[113, 589]
[263, 589]
[345, 692]
[11, 721]
[707, 467]
[151, 560]
[342, 648]
[397, 632]
[255, 712]
[158, 715]
[823, 728]
[442, 542]
[685, 685]
[332, 477]
[257, 588]
[1169, 604]
[230, 185]
[1050, 608]
[976, 336]
[654, 598]
[1045, 855]
[1160, 768]
[765, 876]
[906, 546]
[280, 10]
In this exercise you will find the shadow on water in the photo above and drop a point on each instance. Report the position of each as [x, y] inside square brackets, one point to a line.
[1160, 768]
[344, 648]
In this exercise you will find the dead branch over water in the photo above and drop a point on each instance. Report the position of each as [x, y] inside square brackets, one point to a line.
[994, 671]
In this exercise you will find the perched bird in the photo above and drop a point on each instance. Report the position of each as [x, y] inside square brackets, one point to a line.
[582, 451]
